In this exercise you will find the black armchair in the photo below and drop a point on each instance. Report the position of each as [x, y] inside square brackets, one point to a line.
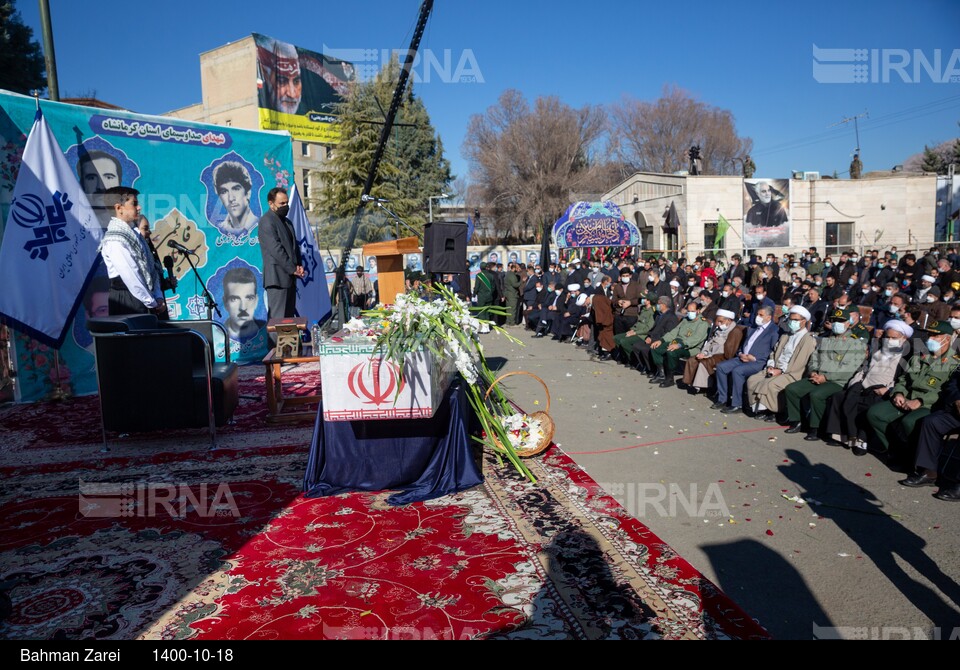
[157, 375]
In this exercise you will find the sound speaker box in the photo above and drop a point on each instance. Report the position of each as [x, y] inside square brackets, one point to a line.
[444, 247]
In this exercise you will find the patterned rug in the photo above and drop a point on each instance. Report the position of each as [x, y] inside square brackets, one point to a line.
[183, 543]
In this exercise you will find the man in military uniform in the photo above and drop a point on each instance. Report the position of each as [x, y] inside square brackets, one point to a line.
[683, 341]
[930, 441]
[918, 389]
[639, 330]
[836, 359]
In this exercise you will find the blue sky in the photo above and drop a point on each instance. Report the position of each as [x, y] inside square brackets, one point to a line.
[750, 57]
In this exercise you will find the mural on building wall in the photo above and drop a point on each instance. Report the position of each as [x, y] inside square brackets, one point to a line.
[767, 219]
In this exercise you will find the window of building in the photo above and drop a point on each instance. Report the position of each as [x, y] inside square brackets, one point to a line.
[709, 235]
[304, 149]
[839, 237]
[306, 189]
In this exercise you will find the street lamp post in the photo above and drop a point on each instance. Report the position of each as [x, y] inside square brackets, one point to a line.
[442, 196]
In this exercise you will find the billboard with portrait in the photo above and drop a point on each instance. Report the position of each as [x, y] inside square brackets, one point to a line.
[766, 206]
[203, 187]
[298, 90]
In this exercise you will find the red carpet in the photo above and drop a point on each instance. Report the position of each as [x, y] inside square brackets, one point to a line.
[220, 545]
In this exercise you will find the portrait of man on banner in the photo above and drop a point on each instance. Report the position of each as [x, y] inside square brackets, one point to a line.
[99, 166]
[294, 82]
[766, 206]
[238, 287]
[233, 194]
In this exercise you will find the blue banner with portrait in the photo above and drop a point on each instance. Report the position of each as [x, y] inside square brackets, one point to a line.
[203, 187]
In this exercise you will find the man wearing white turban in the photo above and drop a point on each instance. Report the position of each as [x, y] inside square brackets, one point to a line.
[785, 366]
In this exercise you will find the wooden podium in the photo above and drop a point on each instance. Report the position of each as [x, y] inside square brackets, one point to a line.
[390, 265]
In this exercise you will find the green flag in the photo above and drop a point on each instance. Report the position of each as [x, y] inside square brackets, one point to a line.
[722, 227]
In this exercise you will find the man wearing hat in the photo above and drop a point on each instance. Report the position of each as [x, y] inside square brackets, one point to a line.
[666, 320]
[785, 366]
[836, 359]
[568, 319]
[926, 283]
[721, 345]
[844, 418]
[930, 442]
[918, 389]
[645, 317]
[682, 341]
[732, 375]
[676, 297]
[626, 301]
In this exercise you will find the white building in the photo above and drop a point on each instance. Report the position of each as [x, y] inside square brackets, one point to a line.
[879, 211]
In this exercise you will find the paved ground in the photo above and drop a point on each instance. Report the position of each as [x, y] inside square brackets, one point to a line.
[873, 558]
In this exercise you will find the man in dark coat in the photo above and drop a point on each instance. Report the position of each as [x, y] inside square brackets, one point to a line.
[282, 265]
[667, 320]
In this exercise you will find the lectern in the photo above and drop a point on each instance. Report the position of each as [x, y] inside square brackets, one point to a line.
[389, 256]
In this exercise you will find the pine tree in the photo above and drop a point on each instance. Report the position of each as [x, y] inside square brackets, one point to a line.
[21, 60]
[932, 161]
[412, 167]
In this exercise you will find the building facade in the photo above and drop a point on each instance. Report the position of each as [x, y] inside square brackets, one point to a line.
[879, 211]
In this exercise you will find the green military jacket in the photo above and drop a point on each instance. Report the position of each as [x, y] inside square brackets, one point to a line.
[815, 269]
[838, 357]
[860, 331]
[690, 334]
[644, 322]
[925, 376]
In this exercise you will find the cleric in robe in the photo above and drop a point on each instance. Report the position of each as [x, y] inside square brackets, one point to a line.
[767, 211]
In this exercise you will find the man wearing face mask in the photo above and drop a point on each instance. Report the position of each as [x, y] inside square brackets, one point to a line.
[932, 305]
[835, 360]
[920, 295]
[730, 301]
[666, 320]
[917, 391]
[645, 319]
[845, 416]
[626, 298]
[732, 374]
[282, 265]
[721, 345]
[785, 366]
[682, 341]
[760, 299]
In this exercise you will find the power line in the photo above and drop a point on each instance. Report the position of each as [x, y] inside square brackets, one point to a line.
[874, 123]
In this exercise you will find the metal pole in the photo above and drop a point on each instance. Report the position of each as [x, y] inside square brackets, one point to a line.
[49, 54]
[430, 200]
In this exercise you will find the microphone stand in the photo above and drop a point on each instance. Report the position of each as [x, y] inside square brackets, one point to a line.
[210, 303]
[400, 223]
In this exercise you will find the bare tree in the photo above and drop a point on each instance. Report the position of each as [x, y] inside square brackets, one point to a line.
[526, 162]
[655, 136]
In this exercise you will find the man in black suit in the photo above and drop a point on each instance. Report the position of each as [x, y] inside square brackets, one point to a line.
[282, 265]
[667, 320]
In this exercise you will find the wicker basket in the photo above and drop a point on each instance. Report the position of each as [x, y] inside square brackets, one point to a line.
[543, 417]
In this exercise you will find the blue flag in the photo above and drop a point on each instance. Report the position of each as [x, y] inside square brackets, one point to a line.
[313, 297]
[50, 244]
[470, 227]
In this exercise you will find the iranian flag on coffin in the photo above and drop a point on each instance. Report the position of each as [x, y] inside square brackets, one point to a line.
[360, 385]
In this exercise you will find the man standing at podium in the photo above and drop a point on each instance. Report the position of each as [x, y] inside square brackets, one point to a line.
[281, 257]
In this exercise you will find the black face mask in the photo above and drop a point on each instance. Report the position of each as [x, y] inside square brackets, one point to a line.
[283, 211]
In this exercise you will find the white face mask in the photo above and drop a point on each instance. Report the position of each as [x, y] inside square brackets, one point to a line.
[539, 288]
[892, 346]
[759, 321]
[894, 309]
[625, 279]
[691, 316]
[838, 327]
[723, 326]
[931, 298]
[955, 324]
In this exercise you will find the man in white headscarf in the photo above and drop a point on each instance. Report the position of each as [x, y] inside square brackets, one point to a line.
[785, 366]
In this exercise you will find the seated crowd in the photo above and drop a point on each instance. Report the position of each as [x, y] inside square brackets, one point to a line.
[858, 351]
